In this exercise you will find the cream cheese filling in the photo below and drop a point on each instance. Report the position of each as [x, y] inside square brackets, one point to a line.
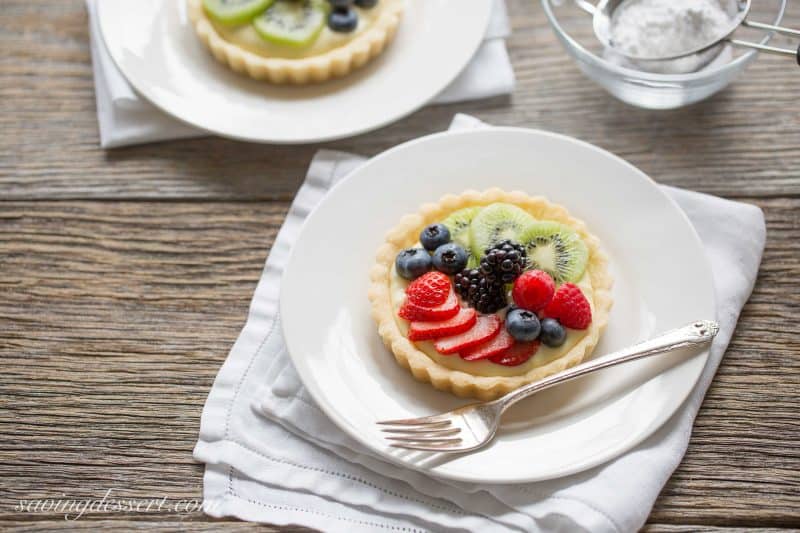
[245, 36]
[543, 356]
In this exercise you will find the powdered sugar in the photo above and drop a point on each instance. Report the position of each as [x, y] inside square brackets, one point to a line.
[662, 28]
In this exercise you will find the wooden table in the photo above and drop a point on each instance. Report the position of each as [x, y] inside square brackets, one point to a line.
[125, 275]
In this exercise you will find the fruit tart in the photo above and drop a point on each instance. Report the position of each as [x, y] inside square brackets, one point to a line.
[295, 41]
[484, 292]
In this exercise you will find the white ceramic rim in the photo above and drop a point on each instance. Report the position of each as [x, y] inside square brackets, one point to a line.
[151, 96]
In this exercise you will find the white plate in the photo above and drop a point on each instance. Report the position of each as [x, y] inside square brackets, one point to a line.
[154, 45]
[662, 280]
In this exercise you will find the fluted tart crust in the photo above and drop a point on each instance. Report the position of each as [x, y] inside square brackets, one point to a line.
[462, 383]
[327, 65]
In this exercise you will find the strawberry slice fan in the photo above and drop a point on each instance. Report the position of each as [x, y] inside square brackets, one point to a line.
[517, 354]
[464, 320]
[411, 311]
[435, 313]
[501, 342]
[485, 328]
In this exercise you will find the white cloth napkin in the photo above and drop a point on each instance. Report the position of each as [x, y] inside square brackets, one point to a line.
[272, 455]
[125, 118]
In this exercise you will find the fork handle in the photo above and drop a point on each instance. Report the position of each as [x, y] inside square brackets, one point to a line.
[693, 334]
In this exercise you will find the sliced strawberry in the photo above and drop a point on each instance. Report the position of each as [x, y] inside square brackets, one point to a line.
[429, 290]
[422, 331]
[448, 309]
[517, 354]
[497, 345]
[485, 328]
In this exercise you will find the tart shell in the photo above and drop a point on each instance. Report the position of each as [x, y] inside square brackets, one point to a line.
[425, 369]
[302, 71]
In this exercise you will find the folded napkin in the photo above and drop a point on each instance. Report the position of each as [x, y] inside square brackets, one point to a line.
[125, 118]
[273, 456]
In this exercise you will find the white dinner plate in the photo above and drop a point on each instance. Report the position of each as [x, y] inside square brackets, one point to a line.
[662, 281]
[154, 45]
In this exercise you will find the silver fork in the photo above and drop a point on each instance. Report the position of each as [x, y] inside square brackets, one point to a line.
[473, 426]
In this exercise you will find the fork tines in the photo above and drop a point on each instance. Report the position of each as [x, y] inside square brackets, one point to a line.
[422, 434]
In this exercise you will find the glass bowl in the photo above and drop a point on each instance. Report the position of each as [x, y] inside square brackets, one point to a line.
[573, 27]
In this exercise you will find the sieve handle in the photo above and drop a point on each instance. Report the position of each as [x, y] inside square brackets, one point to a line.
[768, 49]
[769, 27]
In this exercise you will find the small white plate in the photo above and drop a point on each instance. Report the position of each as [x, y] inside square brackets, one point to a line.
[662, 280]
[154, 45]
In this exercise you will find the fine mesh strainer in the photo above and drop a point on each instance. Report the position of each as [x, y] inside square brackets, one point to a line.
[603, 12]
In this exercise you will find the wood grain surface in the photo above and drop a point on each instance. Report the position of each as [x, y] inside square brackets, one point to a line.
[125, 275]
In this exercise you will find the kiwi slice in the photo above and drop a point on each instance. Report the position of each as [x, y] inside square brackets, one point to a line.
[235, 11]
[292, 22]
[458, 224]
[555, 248]
[495, 223]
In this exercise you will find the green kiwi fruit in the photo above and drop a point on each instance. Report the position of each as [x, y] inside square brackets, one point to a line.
[495, 223]
[555, 248]
[292, 22]
[458, 224]
[235, 11]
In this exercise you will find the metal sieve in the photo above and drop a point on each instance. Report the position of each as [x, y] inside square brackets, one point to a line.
[603, 12]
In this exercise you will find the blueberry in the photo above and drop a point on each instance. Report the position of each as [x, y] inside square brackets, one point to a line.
[343, 20]
[434, 236]
[553, 333]
[412, 263]
[523, 325]
[450, 258]
[366, 4]
[340, 4]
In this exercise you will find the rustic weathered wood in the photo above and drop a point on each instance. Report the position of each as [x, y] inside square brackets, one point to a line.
[46, 526]
[116, 316]
[666, 528]
[125, 276]
[140, 524]
[741, 142]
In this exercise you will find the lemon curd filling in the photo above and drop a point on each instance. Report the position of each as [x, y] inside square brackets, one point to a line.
[245, 36]
[485, 367]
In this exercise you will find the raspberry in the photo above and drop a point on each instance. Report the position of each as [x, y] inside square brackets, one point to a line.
[533, 290]
[429, 290]
[570, 307]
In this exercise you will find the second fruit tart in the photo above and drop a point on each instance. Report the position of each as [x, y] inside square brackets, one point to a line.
[484, 292]
[295, 41]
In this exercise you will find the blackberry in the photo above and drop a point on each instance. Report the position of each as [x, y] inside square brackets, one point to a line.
[474, 287]
[504, 262]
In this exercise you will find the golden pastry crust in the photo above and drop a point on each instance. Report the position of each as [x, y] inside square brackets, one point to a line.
[315, 69]
[422, 367]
